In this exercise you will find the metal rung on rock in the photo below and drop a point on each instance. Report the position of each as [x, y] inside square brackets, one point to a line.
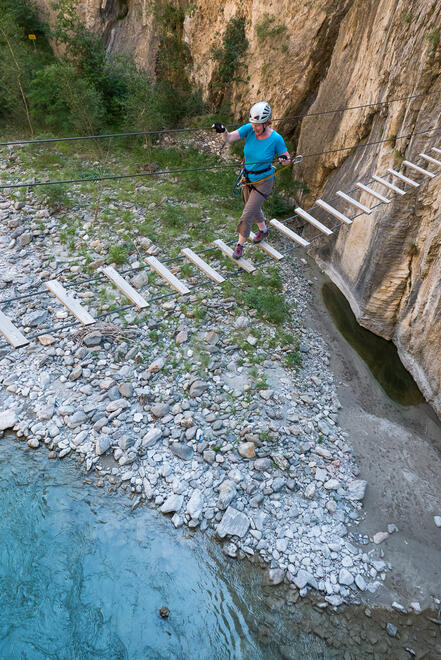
[168, 276]
[373, 193]
[431, 160]
[125, 287]
[202, 265]
[438, 151]
[330, 209]
[417, 168]
[309, 218]
[406, 179]
[389, 185]
[74, 307]
[354, 202]
[289, 233]
[228, 252]
[12, 335]
[266, 247]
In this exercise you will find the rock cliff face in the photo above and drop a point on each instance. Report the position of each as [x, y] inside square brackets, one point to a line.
[321, 55]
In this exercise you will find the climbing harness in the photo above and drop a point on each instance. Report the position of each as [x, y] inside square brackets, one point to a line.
[243, 180]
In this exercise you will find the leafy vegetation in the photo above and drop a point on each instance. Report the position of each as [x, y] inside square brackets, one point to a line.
[87, 90]
[230, 55]
[268, 27]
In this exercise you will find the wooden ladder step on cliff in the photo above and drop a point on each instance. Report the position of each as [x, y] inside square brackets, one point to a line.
[430, 159]
[389, 185]
[74, 307]
[202, 265]
[266, 247]
[125, 287]
[406, 179]
[289, 233]
[12, 335]
[312, 221]
[247, 266]
[374, 193]
[417, 168]
[354, 202]
[333, 211]
[168, 276]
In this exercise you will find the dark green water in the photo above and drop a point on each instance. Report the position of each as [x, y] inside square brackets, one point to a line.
[381, 356]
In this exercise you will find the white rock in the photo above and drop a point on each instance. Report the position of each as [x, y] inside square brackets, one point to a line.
[151, 437]
[234, 523]
[345, 577]
[437, 520]
[379, 537]
[332, 484]
[172, 503]
[8, 419]
[194, 505]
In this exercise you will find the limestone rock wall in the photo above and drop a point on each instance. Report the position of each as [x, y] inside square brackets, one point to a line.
[312, 57]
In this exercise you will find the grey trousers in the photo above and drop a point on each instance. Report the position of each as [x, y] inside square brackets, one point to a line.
[253, 201]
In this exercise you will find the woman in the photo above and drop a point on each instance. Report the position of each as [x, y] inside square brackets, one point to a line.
[262, 144]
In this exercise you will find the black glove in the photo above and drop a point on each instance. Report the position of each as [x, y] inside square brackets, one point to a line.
[219, 128]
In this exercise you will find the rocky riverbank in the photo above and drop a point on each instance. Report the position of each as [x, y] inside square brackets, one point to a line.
[197, 414]
[258, 458]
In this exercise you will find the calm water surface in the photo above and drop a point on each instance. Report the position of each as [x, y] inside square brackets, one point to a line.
[381, 356]
[81, 576]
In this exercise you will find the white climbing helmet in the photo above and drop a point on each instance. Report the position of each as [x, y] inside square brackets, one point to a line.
[260, 113]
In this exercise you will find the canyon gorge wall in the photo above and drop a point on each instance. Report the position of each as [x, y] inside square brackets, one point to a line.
[313, 57]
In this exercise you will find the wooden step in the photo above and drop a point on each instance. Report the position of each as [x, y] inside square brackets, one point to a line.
[289, 233]
[391, 186]
[417, 168]
[228, 252]
[354, 202]
[406, 179]
[168, 276]
[266, 247]
[309, 218]
[74, 307]
[330, 209]
[126, 288]
[202, 265]
[375, 194]
[12, 335]
[430, 159]
[436, 150]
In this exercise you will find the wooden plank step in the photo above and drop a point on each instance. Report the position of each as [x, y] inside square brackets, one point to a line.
[200, 263]
[266, 247]
[436, 150]
[126, 288]
[74, 307]
[289, 233]
[12, 335]
[228, 252]
[430, 159]
[389, 185]
[417, 168]
[375, 194]
[406, 179]
[330, 209]
[309, 218]
[351, 200]
[168, 276]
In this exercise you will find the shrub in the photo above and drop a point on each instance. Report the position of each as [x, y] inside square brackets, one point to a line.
[229, 55]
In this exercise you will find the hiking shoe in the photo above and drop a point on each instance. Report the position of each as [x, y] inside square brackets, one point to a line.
[238, 252]
[260, 236]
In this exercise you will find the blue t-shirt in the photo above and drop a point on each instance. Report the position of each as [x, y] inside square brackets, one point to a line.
[259, 154]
